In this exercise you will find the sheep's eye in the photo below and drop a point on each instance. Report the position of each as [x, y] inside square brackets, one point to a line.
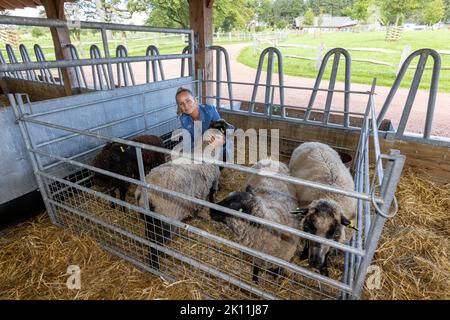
[309, 227]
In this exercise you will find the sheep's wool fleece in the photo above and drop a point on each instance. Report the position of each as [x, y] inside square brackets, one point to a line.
[273, 201]
[195, 180]
[318, 162]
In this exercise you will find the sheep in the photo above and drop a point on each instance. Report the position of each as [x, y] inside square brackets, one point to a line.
[325, 214]
[121, 159]
[269, 199]
[196, 180]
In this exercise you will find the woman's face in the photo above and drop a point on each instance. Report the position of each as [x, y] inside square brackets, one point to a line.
[186, 102]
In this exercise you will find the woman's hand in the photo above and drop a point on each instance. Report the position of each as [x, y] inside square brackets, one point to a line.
[216, 139]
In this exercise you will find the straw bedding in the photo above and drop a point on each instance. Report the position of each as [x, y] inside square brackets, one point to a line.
[413, 255]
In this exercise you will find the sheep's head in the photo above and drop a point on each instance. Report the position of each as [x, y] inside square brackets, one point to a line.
[323, 218]
[239, 201]
[221, 125]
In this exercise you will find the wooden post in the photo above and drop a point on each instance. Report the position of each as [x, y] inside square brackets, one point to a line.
[201, 21]
[55, 10]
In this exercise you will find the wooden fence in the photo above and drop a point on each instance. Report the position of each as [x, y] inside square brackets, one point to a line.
[321, 49]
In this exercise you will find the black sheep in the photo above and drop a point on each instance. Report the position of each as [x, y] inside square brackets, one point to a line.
[121, 159]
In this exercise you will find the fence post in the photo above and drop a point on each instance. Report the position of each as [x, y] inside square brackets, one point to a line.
[229, 36]
[255, 45]
[320, 50]
[405, 54]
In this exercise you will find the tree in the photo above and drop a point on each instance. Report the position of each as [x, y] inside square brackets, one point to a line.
[228, 14]
[309, 17]
[434, 12]
[391, 10]
[359, 11]
[447, 10]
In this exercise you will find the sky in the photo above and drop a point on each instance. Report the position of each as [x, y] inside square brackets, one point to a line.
[27, 12]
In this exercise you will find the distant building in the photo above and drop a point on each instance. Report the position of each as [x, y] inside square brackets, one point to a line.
[329, 23]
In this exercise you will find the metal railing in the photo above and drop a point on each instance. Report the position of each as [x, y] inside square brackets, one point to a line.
[102, 67]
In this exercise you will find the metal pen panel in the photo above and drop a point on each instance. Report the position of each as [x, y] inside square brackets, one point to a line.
[46, 75]
[78, 70]
[268, 97]
[31, 74]
[99, 72]
[219, 51]
[423, 53]
[122, 52]
[186, 50]
[153, 51]
[336, 52]
[13, 59]
[3, 63]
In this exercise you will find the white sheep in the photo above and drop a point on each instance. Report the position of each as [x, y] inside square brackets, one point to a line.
[269, 199]
[326, 214]
[196, 180]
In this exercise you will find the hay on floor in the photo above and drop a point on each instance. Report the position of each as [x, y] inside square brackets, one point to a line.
[412, 253]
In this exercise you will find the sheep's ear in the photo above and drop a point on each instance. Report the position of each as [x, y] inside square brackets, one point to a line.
[302, 211]
[347, 223]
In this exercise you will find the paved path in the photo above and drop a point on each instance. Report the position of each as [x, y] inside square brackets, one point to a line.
[441, 120]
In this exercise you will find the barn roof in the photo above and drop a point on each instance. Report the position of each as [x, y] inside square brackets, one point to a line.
[20, 4]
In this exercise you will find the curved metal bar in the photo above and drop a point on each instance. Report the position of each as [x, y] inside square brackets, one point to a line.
[423, 53]
[268, 100]
[79, 73]
[222, 50]
[153, 51]
[99, 72]
[337, 54]
[13, 59]
[31, 74]
[122, 52]
[46, 75]
[3, 62]
[186, 50]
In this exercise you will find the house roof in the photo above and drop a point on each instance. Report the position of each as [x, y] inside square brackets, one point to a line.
[335, 22]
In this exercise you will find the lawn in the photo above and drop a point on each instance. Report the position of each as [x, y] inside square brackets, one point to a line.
[362, 72]
[135, 42]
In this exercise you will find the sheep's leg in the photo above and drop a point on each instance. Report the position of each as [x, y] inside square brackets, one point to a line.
[324, 269]
[123, 194]
[256, 270]
[158, 232]
[213, 191]
[112, 193]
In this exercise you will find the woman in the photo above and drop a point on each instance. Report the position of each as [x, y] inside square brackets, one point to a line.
[190, 112]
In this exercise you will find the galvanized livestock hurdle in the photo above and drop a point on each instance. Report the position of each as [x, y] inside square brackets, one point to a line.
[63, 135]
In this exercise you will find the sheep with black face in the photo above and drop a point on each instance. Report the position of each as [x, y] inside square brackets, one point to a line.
[326, 214]
[269, 199]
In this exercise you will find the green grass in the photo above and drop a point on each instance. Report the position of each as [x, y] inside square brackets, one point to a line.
[363, 72]
[135, 47]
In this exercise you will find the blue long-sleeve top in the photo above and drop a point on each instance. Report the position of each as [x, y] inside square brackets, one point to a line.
[208, 113]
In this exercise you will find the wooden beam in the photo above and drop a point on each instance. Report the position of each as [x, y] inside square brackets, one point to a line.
[201, 21]
[55, 10]
[11, 5]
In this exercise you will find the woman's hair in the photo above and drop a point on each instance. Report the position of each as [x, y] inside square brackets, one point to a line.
[180, 90]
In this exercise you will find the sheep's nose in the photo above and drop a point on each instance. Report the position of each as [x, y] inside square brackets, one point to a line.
[315, 263]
